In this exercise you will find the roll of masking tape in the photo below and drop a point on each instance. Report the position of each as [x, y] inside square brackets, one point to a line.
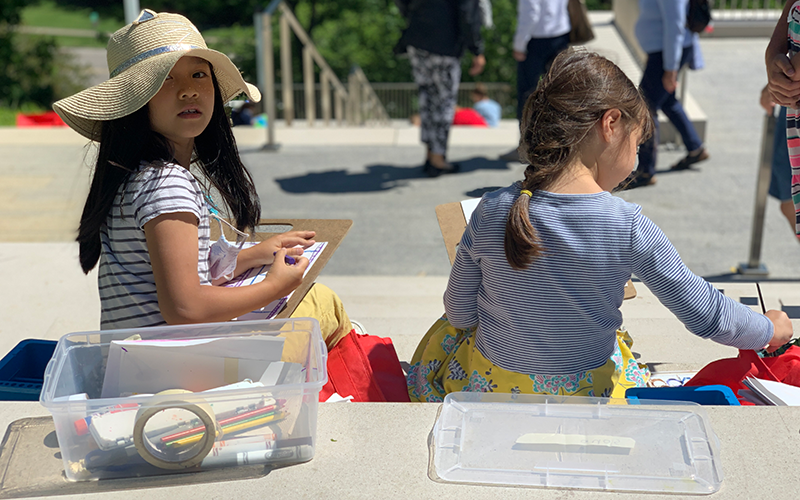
[177, 460]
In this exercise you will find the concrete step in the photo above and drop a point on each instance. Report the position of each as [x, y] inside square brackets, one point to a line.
[48, 296]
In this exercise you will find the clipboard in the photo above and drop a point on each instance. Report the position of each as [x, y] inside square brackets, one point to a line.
[452, 224]
[332, 231]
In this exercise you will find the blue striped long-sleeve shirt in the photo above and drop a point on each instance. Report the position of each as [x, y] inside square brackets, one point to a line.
[661, 27]
[560, 315]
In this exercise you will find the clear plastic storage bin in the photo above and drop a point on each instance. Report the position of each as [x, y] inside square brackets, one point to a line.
[576, 442]
[159, 400]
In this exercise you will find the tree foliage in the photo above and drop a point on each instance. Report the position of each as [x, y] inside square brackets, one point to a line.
[346, 32]
[28, 66]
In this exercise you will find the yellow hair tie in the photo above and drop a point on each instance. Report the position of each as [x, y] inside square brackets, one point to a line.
[525, 191]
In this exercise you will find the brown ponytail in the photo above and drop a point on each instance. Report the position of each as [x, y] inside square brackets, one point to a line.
[558, 117]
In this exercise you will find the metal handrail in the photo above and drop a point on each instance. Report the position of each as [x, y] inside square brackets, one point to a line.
[356, 103]
[754, 266]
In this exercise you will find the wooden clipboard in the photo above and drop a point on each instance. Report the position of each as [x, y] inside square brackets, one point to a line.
[452, 224]
[331, 231]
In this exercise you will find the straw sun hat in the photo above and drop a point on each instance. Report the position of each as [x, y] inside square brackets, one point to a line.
[140, 57]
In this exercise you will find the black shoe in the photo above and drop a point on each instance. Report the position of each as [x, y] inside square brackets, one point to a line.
[636, 180]
[430, 170]
[433, 171]
[691, 159]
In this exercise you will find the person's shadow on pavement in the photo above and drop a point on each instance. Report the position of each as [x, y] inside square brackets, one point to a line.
[378, 177]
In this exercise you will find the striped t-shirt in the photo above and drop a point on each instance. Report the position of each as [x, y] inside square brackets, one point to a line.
[127, 288]
[560, 315]
[793, 117]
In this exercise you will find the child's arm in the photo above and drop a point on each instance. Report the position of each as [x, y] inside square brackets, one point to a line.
[172, 245]
[702, 308]
[780, 71]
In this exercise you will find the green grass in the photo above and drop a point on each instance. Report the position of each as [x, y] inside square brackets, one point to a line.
[47, 13]
[8, 117]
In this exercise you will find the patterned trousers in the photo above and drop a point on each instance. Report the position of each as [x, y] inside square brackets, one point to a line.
[437, 78]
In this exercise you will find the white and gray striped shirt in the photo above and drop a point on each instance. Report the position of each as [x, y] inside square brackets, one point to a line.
[560, 315]
[127, 288]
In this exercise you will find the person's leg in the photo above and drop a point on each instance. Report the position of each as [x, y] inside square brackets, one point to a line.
[654, 93]
[422, 71]
[780, 185]
[445, 78]
[674, 111]
[322, 304]
[528, 73]
[540, 55]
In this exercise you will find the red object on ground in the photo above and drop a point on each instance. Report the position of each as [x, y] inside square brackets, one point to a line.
[468, 116]
[365, 367]
[46, 119]
[731, 371]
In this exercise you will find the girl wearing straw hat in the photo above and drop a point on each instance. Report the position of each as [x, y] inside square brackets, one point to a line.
[146, 219]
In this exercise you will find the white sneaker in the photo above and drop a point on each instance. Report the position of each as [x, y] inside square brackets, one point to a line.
[358, 327]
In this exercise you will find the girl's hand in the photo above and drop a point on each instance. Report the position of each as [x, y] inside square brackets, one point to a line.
[283, 277]
[783, 85]
[264, 253]
[782, 329]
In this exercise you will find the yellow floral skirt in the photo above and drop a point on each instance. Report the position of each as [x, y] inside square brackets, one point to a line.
[447, 361]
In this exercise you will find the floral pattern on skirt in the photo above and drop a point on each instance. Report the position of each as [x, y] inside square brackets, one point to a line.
[447, 361]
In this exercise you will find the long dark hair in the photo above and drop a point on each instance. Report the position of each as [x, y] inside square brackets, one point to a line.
[127, 141]
[558, 116]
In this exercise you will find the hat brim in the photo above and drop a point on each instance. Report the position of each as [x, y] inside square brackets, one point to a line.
[132, 89]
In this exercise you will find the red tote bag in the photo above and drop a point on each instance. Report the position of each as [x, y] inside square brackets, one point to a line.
[367, 368]
[731, 371]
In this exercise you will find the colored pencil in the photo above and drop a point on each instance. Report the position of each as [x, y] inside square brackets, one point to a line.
[223, 422]
[236, 427]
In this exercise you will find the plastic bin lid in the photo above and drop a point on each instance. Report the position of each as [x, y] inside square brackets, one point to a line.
[576, 442]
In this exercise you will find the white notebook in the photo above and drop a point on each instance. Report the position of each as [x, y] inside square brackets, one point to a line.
[774, 393]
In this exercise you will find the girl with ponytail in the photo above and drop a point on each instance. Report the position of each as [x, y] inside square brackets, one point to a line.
[532, 304]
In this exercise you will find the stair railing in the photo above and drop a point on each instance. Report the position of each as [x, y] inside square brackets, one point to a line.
[356, 104]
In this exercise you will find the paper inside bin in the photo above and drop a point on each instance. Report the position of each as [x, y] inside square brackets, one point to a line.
[149, 367]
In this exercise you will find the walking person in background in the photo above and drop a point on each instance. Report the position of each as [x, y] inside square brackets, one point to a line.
[662, 34]
[438, 32]
[542, 32]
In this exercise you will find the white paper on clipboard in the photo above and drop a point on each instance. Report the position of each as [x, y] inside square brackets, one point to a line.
[257, 275]
[469, 206]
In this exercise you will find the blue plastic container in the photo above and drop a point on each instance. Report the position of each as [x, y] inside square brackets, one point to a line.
[22, 370]
[720, 395]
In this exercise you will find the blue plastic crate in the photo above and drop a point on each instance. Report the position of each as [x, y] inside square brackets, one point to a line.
[22, 370]
[720, 395]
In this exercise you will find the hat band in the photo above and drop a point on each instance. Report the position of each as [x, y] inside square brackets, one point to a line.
[152, 53]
